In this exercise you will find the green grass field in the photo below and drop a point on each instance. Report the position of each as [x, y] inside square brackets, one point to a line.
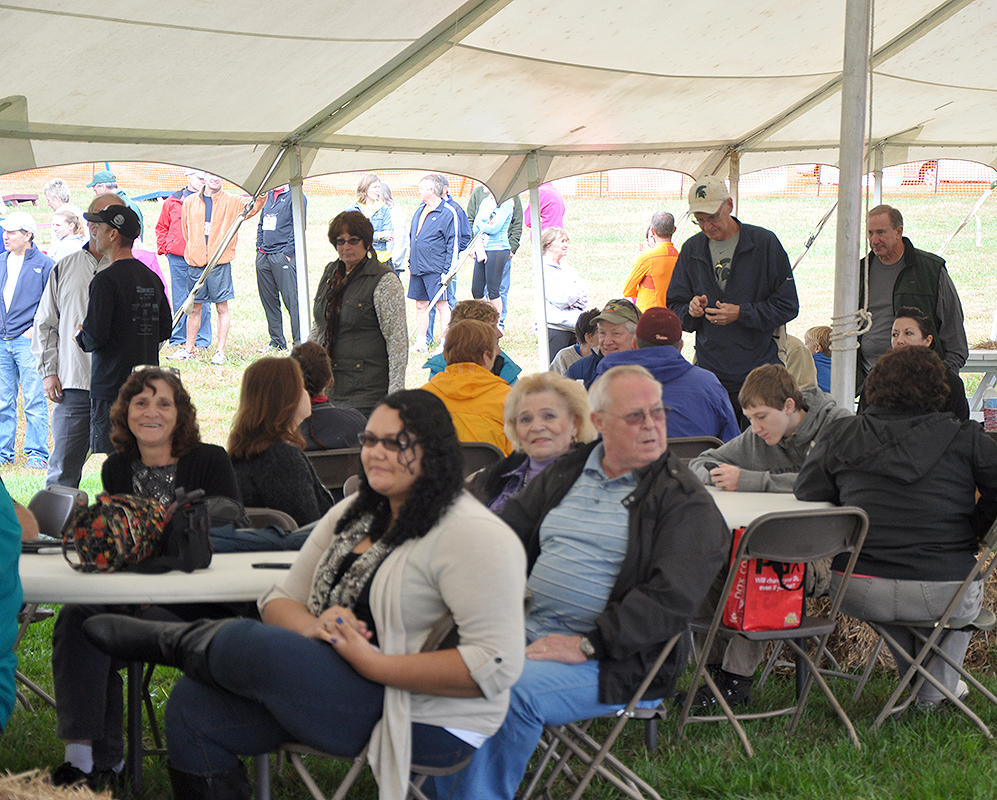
[938, 756]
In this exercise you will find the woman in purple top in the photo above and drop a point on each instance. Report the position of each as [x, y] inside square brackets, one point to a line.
[546, 414]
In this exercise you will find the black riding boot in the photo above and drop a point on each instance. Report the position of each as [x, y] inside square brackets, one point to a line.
[232, 784]
[175, 644]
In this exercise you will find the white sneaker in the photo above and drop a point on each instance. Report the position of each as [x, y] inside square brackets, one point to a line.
[181, 355]
[218, 359]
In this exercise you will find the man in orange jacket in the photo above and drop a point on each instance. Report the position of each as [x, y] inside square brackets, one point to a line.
[648, 280]
[205, 219]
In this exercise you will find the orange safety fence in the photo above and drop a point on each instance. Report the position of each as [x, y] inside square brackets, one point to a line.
[918, 178]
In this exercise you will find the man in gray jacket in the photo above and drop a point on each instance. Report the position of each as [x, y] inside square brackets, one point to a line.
[785, 424]
[63, 367]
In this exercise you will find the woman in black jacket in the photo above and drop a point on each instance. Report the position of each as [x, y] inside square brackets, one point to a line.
[916, 472]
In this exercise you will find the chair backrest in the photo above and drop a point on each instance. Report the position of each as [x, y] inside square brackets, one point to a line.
[53, 509]
[261, 517]
[808, 535]
[352, 485]
[478, 455]
[687, 447]
[82, 498]
[333, 467]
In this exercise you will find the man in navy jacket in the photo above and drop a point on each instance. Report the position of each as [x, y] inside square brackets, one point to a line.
[433, 248]
[24, 272]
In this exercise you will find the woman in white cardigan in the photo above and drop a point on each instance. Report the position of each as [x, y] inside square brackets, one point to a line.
[337, 662]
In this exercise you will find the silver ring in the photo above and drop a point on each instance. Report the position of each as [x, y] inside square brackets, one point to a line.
[326, 624]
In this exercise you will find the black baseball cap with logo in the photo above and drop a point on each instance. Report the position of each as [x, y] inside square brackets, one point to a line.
[121, 218]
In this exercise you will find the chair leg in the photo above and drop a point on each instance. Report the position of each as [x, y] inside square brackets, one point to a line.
[261, 776]
[34, 687]
[867, 672]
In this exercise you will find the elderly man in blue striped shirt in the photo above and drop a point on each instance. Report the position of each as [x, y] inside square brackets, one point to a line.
[622, 544]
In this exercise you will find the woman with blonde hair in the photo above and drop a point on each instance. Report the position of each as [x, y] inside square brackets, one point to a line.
[266, 446]
[370, 204]
[474, 396]
[566, 294]
[546, 415]
[69, 231]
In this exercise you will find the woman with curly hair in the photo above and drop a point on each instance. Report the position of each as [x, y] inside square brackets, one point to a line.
[380, 569]
[916, 472]
[158, 450]
[329, 427]
[266, 446]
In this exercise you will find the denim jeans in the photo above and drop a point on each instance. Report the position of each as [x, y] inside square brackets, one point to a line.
[504, 293]
[280, 687]
[547, 693]
[179, 289]
[18, 366]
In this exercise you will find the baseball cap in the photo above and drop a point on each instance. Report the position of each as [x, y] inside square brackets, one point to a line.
[659, 326]
[121, 218]
[707, 195]
[104, 176]
[196, 172]
[19, 221]
[617, 312]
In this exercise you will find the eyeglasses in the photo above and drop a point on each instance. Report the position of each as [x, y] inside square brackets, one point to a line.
[635, 418]
[143, 367]
[402, 442]
[711, 219]
[353, 241]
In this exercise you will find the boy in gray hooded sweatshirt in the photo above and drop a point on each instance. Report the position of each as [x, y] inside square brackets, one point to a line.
[785, 423]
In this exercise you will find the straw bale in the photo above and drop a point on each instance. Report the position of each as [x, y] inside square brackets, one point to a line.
[35, 785]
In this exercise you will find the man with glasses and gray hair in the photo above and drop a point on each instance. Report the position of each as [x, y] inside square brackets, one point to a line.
[622, 544]
[733, 287]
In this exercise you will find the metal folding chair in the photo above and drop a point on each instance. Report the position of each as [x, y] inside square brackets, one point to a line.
[688, 447]
[53, 508]
[333, 467]
[261, 517]
[929, 632]
[788, 536]
[595, 754]
[478, 455]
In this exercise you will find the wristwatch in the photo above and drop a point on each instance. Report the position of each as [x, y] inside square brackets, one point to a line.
[586, 647]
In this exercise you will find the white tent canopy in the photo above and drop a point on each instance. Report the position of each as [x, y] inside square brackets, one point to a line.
[472, 88]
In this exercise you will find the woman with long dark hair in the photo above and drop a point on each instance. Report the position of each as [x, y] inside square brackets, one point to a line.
[381, 567]
[266, 445]
[360, 317]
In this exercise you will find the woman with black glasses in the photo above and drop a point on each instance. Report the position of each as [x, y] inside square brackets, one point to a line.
[359, 317]
[338, 663]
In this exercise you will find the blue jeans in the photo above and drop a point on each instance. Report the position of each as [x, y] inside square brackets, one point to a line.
[281, 687]
[179, 289]
[17, 365]
[504, 293]
[70, 438]
[547, 693]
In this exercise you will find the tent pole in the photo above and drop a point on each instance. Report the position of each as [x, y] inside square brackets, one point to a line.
[300, 256]
[734, 177]
[846, 269]
[539, 293]
[877, 188]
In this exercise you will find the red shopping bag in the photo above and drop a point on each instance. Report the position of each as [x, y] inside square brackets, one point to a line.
[765, 595]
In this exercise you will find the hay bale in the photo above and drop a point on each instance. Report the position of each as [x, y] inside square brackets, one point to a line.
[35, 785]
